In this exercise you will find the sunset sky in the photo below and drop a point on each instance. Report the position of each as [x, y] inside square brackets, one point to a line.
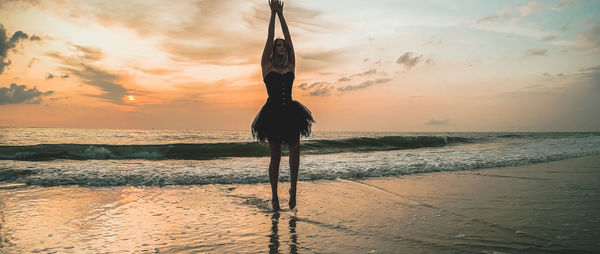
[378, 65]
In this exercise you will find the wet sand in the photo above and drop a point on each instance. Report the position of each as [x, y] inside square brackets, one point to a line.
[541, 208]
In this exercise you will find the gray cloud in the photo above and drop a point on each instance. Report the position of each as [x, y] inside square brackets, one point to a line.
[565, 27]
[32, 61]
[324, 88]
[17, 36]
[364, 73]
[51, 76]
[20, 94]
[111, 91]
[323, 91]
[86, 54]
[432, 40]
[316, 88]
[488, 18]
[437, 122]
[356, 87]
[535, 52]
[590, 38]
[429, 60]
[590, 76]
[318, 84]
[8, 44]
[81, 67]
[563, 4]
[408, 60]
[306, 86]
[303, 86]
[60, 98]
[362, 85]
[548, 38]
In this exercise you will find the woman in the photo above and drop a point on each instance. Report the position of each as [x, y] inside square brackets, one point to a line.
[281, 119]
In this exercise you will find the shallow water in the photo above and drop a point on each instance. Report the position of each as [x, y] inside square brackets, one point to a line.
[158, 158]
[541, 208]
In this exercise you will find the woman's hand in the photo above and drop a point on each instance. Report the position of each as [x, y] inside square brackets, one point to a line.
[276, 6]
[273, 4]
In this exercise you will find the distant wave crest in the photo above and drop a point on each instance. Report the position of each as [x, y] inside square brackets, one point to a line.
[44, 152]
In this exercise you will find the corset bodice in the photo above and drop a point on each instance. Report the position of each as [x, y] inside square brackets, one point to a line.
[279, 86]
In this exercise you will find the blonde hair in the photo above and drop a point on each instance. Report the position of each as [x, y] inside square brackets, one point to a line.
[284, 60]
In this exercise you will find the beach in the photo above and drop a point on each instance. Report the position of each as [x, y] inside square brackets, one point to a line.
[546, 207]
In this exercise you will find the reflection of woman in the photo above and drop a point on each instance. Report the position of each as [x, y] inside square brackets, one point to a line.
[274, 236]
[281, 119]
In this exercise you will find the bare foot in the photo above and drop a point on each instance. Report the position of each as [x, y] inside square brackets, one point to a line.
[292, 202]
[275, 203]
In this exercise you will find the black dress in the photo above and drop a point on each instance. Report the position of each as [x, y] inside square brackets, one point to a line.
[281, 119]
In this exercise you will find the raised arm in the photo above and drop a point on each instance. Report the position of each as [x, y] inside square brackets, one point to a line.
[269, 44]
[286, 35]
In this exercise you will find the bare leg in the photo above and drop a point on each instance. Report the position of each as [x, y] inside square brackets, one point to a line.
[294, 166]
[275, 149]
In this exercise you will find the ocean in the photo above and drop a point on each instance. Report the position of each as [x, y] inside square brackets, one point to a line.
[185, 191]
[121, 157]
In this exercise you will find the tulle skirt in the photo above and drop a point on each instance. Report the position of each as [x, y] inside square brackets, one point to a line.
[282, 123]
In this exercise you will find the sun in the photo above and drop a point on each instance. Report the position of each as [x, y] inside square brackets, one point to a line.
[131, 98]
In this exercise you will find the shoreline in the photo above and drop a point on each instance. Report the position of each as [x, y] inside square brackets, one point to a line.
[545, 207]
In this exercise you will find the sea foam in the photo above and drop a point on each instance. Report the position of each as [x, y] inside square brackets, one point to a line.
[462, 155]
